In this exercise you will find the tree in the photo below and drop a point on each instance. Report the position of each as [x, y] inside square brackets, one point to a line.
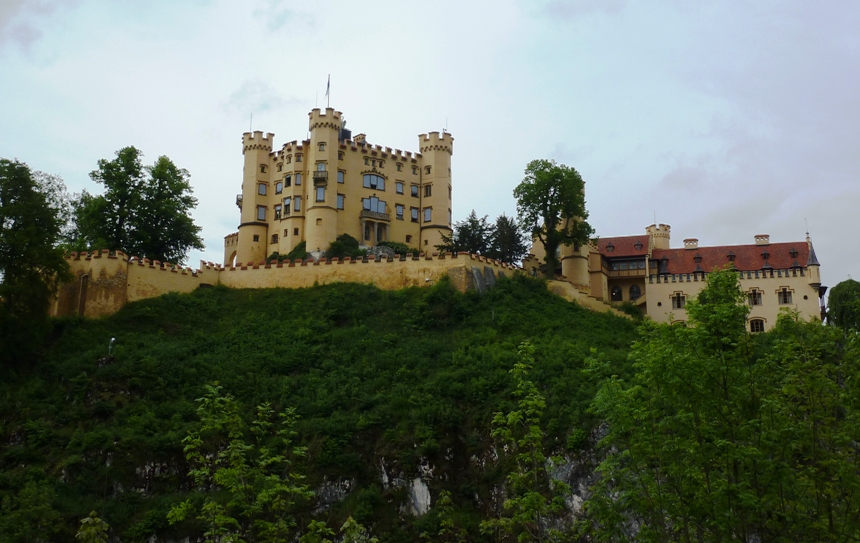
[726, 436]
[844, 305]
[474, 235]
[93, 529]
[534, 497]
[144, 211]
[30, 515]
[508, 242]
[250, 486]
[31, 264]
[551, 206]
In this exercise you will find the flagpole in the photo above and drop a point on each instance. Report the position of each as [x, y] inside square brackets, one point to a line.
[327, 89]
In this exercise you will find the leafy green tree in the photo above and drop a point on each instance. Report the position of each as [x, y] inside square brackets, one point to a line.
[31, 263]
[354, 532]
[251, 487]
[509, 244]
[29, 516]
[534, 497]
[145, 210]
[93, 529]
[474, 235]
[448, 531]
[726, 436]
[844, 305]
[551, 206]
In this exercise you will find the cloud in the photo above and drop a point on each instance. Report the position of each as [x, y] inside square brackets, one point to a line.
[276, 15]
[20, 20]
[256, 96]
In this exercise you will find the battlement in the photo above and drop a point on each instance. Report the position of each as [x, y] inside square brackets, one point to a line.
[257, 141]
[434, 141]
[378, 150]
[328, 118]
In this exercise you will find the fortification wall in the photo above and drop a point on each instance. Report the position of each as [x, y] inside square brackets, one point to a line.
[98, 287]
[150, 279]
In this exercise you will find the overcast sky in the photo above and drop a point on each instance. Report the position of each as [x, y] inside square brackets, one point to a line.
[723, 119]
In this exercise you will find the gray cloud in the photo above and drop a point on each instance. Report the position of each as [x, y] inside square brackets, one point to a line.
[257, 96]
[20, 19]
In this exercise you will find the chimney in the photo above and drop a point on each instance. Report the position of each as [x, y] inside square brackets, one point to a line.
[691, 243]
[762, 239]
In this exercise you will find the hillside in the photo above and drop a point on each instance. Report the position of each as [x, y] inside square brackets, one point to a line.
[390, 386]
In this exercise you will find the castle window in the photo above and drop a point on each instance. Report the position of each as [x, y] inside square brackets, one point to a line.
[286, 232]
[340, 176]
[426, 170]
[635, 292]
[288, 180]
[414, 190]
[398, 187]
[408, 239]
[277, 211]
[274, 238]
[414, 170]
[610, 247]
[297, 204]
[366, 161]
[399, 211]
[322, 146]
[261, 189]
[399, 167]
[263, 168]
[298, 158]
[298, 179]
[638, 246]
[428, 190]
[678, 301]
[615, 294]
[450, 217]
[372, 181]
[340, 201]
[320, 194]
[320, 166]
[414, 212]
[449, 192]
[757, 326]
[289, 159]
[754, 297]
[256, 237]
[280, 166]
[295, 231]
[784, 295]
[287, 205]
[373, 204]
[279, 187]
[340, 155]
[261, 213]
[381, 163]
[428, 214]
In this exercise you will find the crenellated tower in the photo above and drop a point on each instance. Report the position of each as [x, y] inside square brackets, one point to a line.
[322, 167]
[436, 189]
[254, 201]
[658, 235]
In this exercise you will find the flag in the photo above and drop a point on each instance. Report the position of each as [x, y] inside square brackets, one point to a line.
[328, 85]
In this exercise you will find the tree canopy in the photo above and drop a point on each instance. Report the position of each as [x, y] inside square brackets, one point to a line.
[509, 244]
[723, 435]
[474, 235]
[143, 211]
[844, 305]
[31, 264]
[551, 206]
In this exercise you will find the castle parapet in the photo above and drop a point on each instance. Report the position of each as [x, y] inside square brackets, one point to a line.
[256, 141]
[434, 141]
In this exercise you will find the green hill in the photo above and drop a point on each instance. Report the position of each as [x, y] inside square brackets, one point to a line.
[389, 385]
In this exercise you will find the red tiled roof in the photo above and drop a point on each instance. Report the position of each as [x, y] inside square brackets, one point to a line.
[747, 257]
[623, 246]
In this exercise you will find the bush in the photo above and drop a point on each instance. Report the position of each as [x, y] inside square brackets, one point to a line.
[343, 246]
[399, 248]
[298, 253]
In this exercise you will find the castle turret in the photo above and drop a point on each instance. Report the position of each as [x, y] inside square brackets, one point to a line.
[812, 266]
[321, 192]
[254, 200]
[435, 190]
[659, 235]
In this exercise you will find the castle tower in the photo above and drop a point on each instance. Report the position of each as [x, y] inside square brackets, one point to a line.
[812, 266]
[321, 191]
[658, 235]
[435, 190]
[253, 229]
[574, 263]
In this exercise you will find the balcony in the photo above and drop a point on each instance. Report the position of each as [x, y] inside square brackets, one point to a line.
[367, 214]
[320, 178]
[627, 273]
[239, 201]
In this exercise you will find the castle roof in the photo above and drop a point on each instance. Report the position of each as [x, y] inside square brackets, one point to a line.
[623, 246]
[744, 257]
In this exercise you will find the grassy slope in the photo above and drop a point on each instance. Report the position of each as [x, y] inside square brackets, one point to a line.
[405, 376]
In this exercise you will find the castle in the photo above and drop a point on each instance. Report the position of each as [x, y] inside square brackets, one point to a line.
[646, 271]
[331, 184]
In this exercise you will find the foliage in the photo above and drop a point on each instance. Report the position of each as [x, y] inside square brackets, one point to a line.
[632, 309]
[251, 487]
[509, 244]
[726, 436]
[474, 236]
[399, 248]
[551, 206]
[344, 245]
[29, 516]
[31, 264]
[534, 497]
[353, 532]
[93, 529]
[844, 305]
[144, 211]
[299, 252]
[447, 530]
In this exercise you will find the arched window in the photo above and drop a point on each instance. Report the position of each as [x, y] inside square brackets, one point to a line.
[756, 326]
[372, 181]
[635, 292]
[615, 294]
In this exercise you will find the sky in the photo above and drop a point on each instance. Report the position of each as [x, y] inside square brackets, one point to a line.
[722, 119]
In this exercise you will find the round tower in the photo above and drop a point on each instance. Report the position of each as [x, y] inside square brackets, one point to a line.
[255, 212]
[574, 263]
[321, 189]
[659, 235]
[435, 190]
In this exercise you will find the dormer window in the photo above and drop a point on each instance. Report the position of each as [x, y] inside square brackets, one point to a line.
[793, 252]
[731, 256]
[638, 246]
[610, 247]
